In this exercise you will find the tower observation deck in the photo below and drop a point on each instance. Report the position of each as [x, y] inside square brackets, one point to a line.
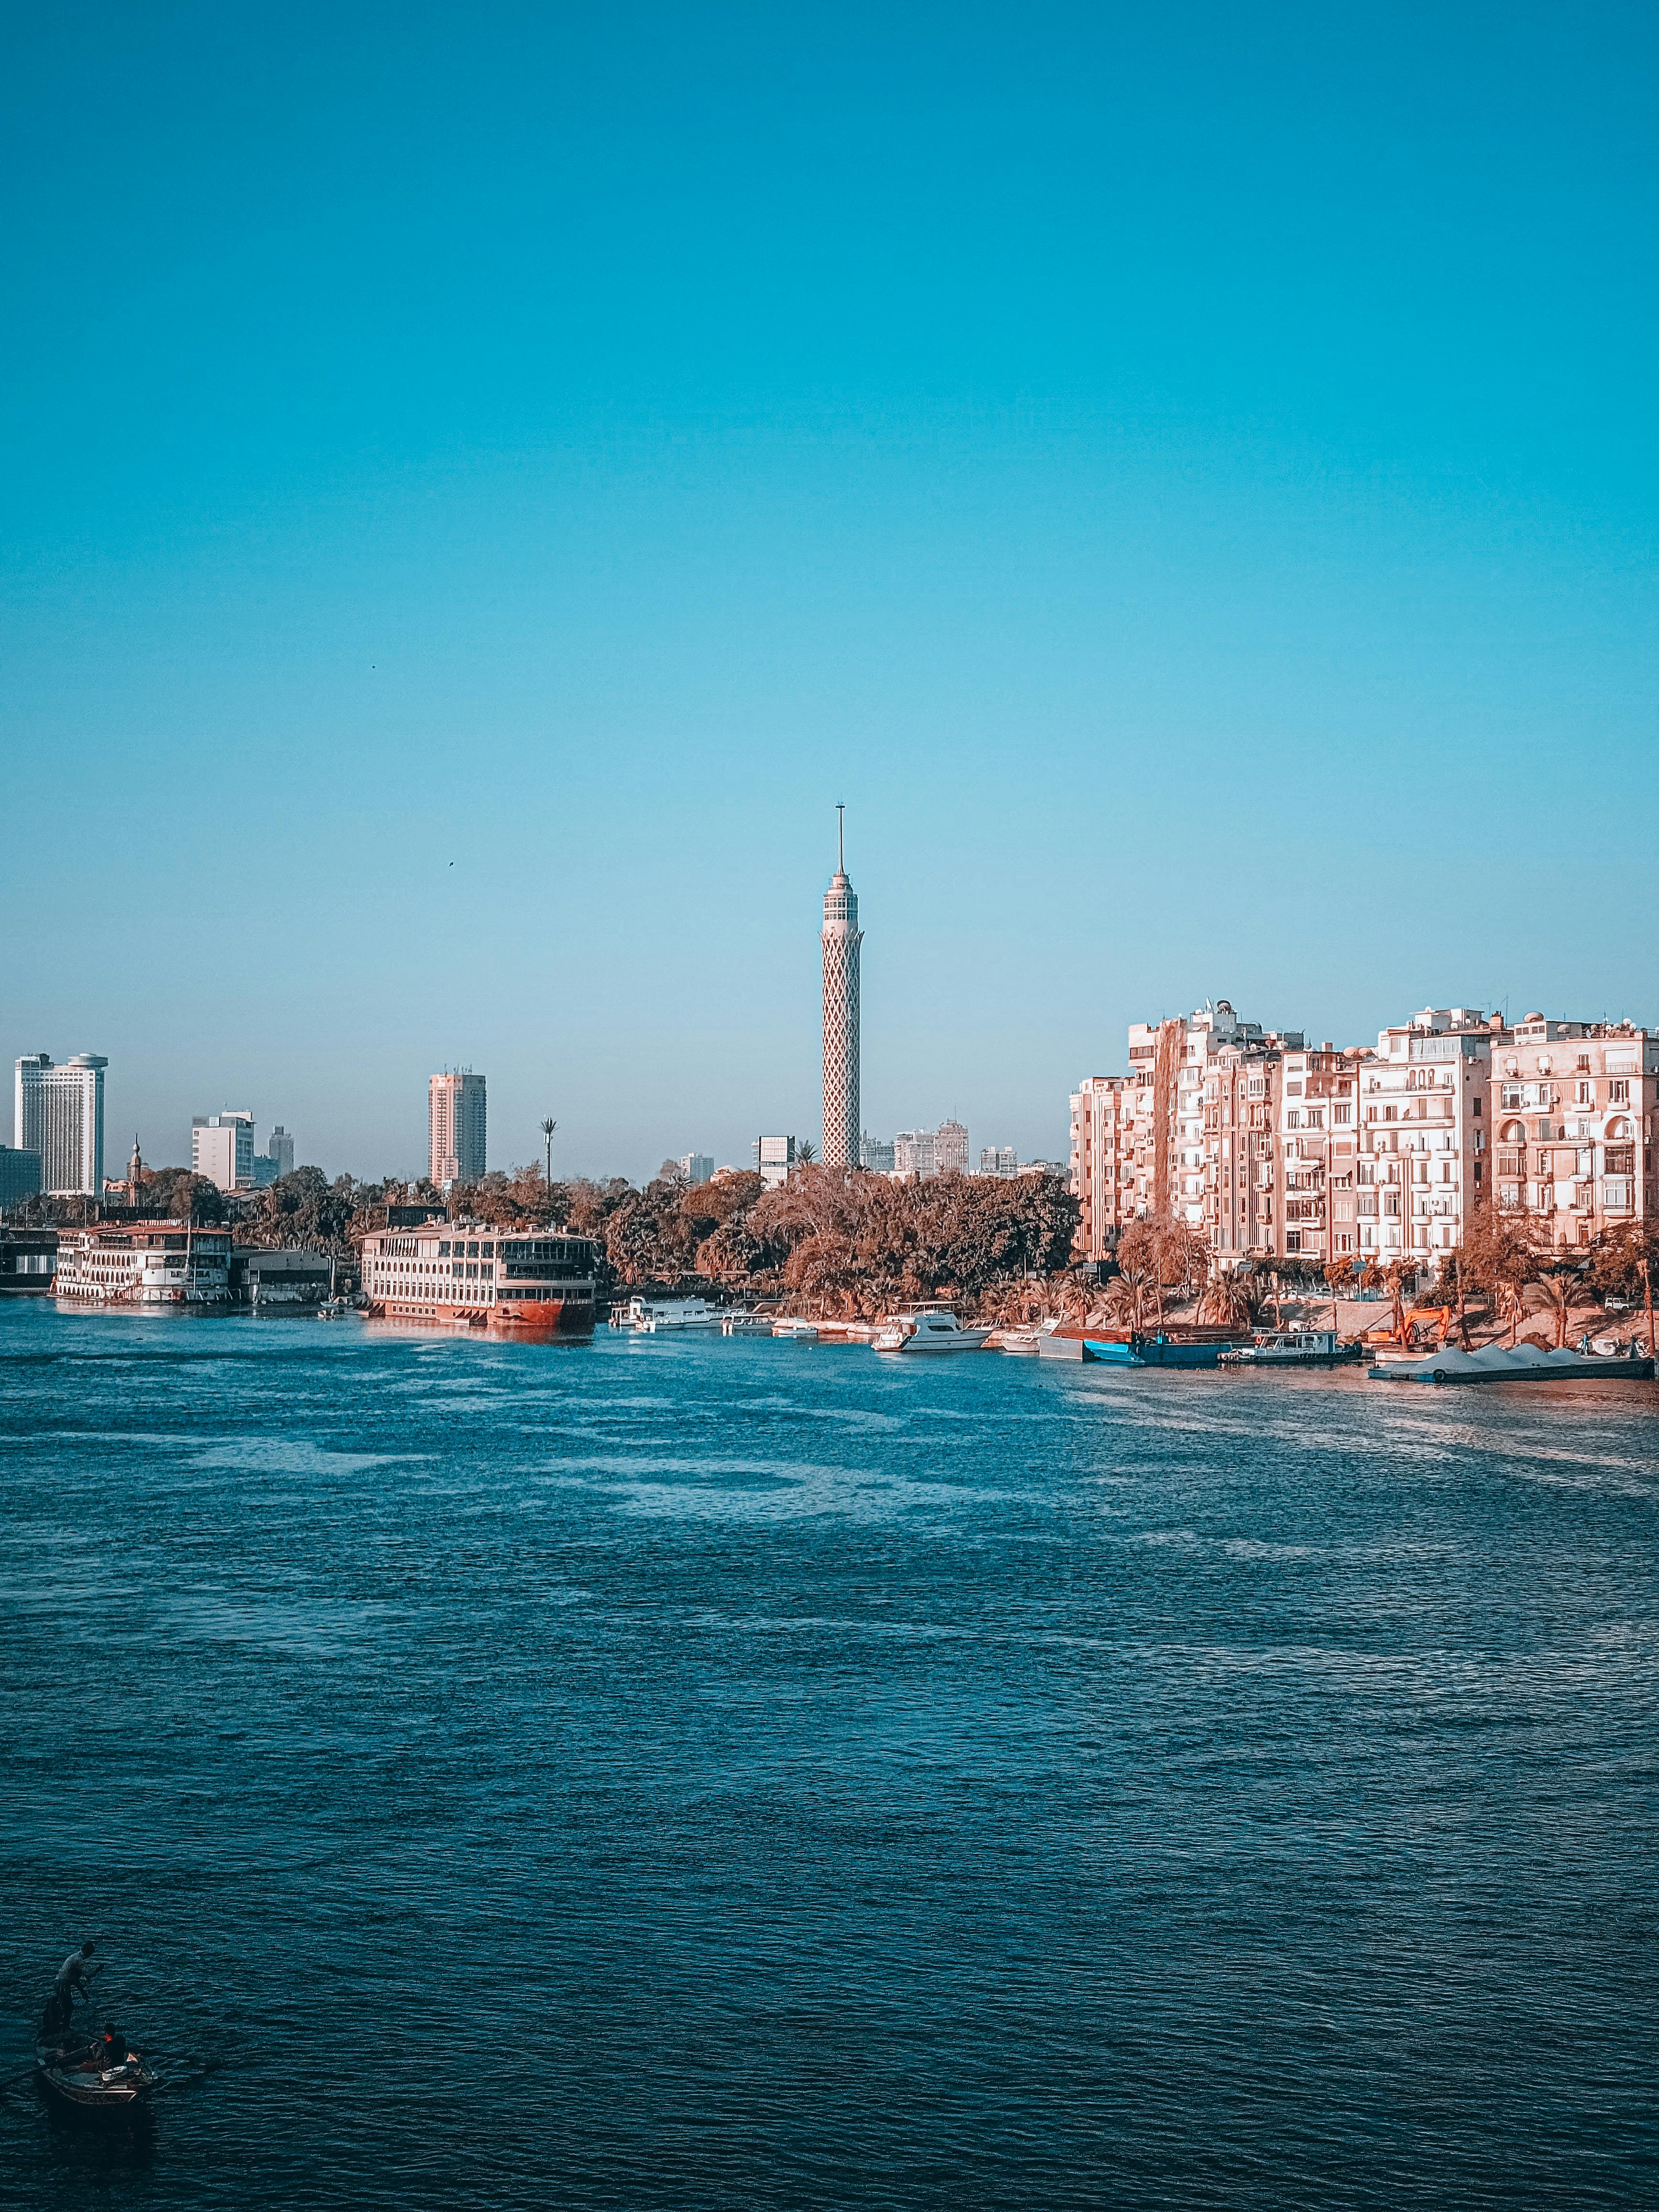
[842, 940]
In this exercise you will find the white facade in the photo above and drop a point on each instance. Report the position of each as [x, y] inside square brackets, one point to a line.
[774, 1157]
[1571, 1108]
[876, 1153]
[221, 1149]
[998, 1160]
[951, 1148]
[913, 1154]
[59, 1112]
[456, 1127]
[154, 1263]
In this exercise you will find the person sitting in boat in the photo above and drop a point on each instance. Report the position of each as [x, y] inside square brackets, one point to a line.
[73, 1979]
[112, 2049]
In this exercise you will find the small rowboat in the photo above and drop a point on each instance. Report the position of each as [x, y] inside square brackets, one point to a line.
[85, 2079]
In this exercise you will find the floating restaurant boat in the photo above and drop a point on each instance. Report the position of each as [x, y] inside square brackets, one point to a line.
[927, 1328]
[1293, 1347]
[518, 1280]
[745, 1324]
[1498, 1363]
[145, 1263]
[86, 2078]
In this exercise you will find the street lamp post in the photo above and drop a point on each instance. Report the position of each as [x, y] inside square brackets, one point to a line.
[548, 1127]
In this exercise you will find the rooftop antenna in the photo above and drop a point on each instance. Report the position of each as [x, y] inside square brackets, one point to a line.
[841, 838]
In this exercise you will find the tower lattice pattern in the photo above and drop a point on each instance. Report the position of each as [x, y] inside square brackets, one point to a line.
[842, 940]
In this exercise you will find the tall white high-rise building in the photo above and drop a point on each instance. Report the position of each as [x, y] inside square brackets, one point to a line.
[279, 1149]
[455, 1127]
[842, 940]
[59, 1112]
[696, 1167]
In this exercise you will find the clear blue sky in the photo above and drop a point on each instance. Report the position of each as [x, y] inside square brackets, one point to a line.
[481, 483]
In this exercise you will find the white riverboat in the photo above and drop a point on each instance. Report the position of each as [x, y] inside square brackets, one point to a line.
[660, 1316]
[929, 1328]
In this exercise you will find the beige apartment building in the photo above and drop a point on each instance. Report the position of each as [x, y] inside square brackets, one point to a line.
[1190, 1134]
[1271, 1148]
[1572, 1108]
[1314, 1157]
[1425, 1123]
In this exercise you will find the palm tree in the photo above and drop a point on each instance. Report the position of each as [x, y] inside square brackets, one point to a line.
[1233, 1300]
[1126, 1297]
[1556, 1296]
[805, 1151]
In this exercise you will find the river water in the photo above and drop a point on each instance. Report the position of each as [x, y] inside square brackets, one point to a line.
[690, 1774]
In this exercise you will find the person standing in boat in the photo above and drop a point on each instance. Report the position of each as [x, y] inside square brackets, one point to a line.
[74, 1978]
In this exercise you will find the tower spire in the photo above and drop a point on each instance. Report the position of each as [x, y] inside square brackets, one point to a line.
[841, 838]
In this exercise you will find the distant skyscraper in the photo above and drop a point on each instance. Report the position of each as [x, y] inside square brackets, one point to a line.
[998, 1160]
[913, 1154]
[842, 940]
[221, 1149]
[20, 1176]
[455, 1127]
[59, 1112]
[951, 1148]
[876, 1153]
[696, 1167]
[279, 1148]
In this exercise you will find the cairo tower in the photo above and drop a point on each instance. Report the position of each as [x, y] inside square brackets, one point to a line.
[842, 940]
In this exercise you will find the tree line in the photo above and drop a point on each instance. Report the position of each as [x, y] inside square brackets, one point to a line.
[848, 1242]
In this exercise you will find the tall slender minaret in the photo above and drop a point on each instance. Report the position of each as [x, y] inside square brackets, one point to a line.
[842, 940]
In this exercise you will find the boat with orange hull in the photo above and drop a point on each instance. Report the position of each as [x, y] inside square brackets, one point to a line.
[554, 1317]
[515, 1280]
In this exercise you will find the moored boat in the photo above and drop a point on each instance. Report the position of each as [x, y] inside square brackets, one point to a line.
[648, 1317]
[928, 1328]
[1497, 1363]
[518, 1281]
[1293, 1347]
[1160, 1350]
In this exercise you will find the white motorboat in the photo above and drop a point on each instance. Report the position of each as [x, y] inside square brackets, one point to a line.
[1028, 1342]
[658, 1316]
[933, 1328]
[1293, 1347]
[746, 1324]
[797, 1331]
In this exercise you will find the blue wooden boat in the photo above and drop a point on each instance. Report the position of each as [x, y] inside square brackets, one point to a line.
[1153, 1352]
